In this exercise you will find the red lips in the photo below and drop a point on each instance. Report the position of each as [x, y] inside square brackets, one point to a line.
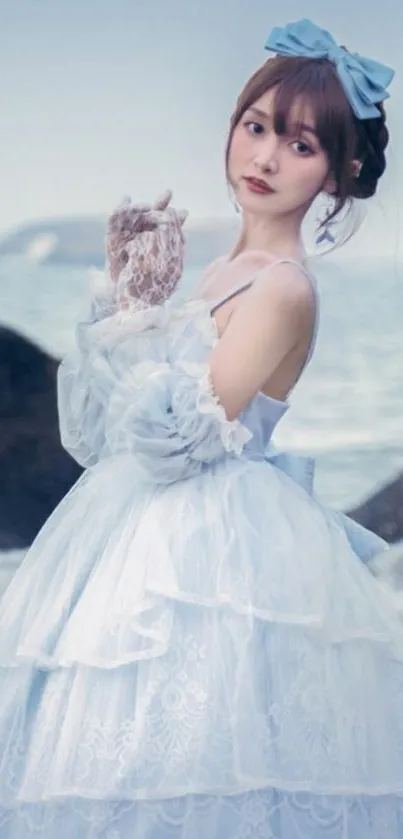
[257, 185]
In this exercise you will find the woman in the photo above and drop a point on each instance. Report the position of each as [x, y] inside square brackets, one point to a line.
[193, 646]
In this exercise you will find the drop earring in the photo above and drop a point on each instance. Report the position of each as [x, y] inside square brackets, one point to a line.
[231, 195]
[235, 203]
[325, 234]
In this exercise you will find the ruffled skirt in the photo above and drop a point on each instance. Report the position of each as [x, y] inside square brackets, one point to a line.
[208, 659]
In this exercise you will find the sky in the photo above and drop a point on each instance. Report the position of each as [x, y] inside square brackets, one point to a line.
[102, 98]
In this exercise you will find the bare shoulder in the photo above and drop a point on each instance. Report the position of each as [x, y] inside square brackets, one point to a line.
[208, 274]
[286, 288]
[211, 267]
[285, 280]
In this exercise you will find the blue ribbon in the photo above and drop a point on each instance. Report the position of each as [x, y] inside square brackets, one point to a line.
[364, 80]
[299, 468]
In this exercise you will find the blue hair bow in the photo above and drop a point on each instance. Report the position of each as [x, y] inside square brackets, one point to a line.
[364, 80]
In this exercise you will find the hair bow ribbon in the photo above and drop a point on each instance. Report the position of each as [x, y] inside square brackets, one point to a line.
[364, 80]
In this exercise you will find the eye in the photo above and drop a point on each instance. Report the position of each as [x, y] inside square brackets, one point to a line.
[254, 127]
[303, 149]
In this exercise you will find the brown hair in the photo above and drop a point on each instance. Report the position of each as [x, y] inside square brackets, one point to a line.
[342, 135]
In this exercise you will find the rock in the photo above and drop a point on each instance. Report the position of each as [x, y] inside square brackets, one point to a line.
[382, 512]
[35, 470]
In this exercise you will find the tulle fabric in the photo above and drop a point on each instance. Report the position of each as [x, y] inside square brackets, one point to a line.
[138, 676]
[193, 655]
[122, 392]
[86, 378]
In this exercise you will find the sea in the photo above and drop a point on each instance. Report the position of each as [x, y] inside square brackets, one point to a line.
[347, 410]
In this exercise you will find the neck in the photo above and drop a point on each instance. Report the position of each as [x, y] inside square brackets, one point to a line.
[278, 235]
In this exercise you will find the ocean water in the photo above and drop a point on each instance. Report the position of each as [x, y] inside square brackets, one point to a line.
[347, 410]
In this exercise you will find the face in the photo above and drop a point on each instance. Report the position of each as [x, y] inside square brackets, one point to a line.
[295, 167]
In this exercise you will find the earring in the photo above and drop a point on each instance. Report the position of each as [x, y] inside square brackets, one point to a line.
[233, 200]
[325, 234]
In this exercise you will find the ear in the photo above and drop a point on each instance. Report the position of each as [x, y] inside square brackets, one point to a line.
[329, 186]
[356, 166]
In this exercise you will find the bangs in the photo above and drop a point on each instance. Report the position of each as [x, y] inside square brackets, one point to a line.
[310, 93]
[305, 90]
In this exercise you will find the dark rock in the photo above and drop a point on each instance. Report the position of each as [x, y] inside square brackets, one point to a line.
[35, 470]
[382, 512]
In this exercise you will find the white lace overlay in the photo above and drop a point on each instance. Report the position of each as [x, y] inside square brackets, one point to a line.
[234, 435]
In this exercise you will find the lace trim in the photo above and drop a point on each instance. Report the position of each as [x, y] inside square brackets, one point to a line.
[234, 435]
[121, 322]
[243, 786]
[144, 317]
[256, 813]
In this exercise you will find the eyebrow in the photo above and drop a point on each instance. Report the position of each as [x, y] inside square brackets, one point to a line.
[263, 115]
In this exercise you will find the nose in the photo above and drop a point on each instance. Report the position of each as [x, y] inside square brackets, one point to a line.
[266, 157]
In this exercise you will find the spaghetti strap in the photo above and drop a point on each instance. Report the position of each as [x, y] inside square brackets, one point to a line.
[245, 284]
[237, 289]
[215, 304]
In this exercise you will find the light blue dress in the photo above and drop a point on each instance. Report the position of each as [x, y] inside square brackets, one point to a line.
[193, 647]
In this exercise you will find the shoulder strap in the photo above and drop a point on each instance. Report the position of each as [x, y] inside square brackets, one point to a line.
[215, 304]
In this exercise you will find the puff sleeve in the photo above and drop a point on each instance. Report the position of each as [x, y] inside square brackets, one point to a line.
[121, 393]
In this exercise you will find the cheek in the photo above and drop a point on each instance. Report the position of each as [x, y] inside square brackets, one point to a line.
[239, 148]
[312, 175]
[320, 169]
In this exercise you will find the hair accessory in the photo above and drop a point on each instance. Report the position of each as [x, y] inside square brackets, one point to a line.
[364, 80]
[326, 234]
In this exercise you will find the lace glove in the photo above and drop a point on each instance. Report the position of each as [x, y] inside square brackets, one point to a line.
[145, 254]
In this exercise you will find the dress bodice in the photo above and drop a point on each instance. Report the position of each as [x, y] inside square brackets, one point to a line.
[263, 412]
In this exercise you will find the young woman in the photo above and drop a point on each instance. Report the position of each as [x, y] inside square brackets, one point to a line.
[194, 646]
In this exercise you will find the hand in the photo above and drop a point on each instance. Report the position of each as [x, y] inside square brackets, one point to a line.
[145, 246]
[123, 225]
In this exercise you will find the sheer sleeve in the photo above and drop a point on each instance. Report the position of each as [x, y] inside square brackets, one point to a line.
[105, 349]
[120, 393]
[166, 415]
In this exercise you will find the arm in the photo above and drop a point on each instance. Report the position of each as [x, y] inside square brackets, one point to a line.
[175, 418]
[145, 248]
[106, 347]
[271, 320]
